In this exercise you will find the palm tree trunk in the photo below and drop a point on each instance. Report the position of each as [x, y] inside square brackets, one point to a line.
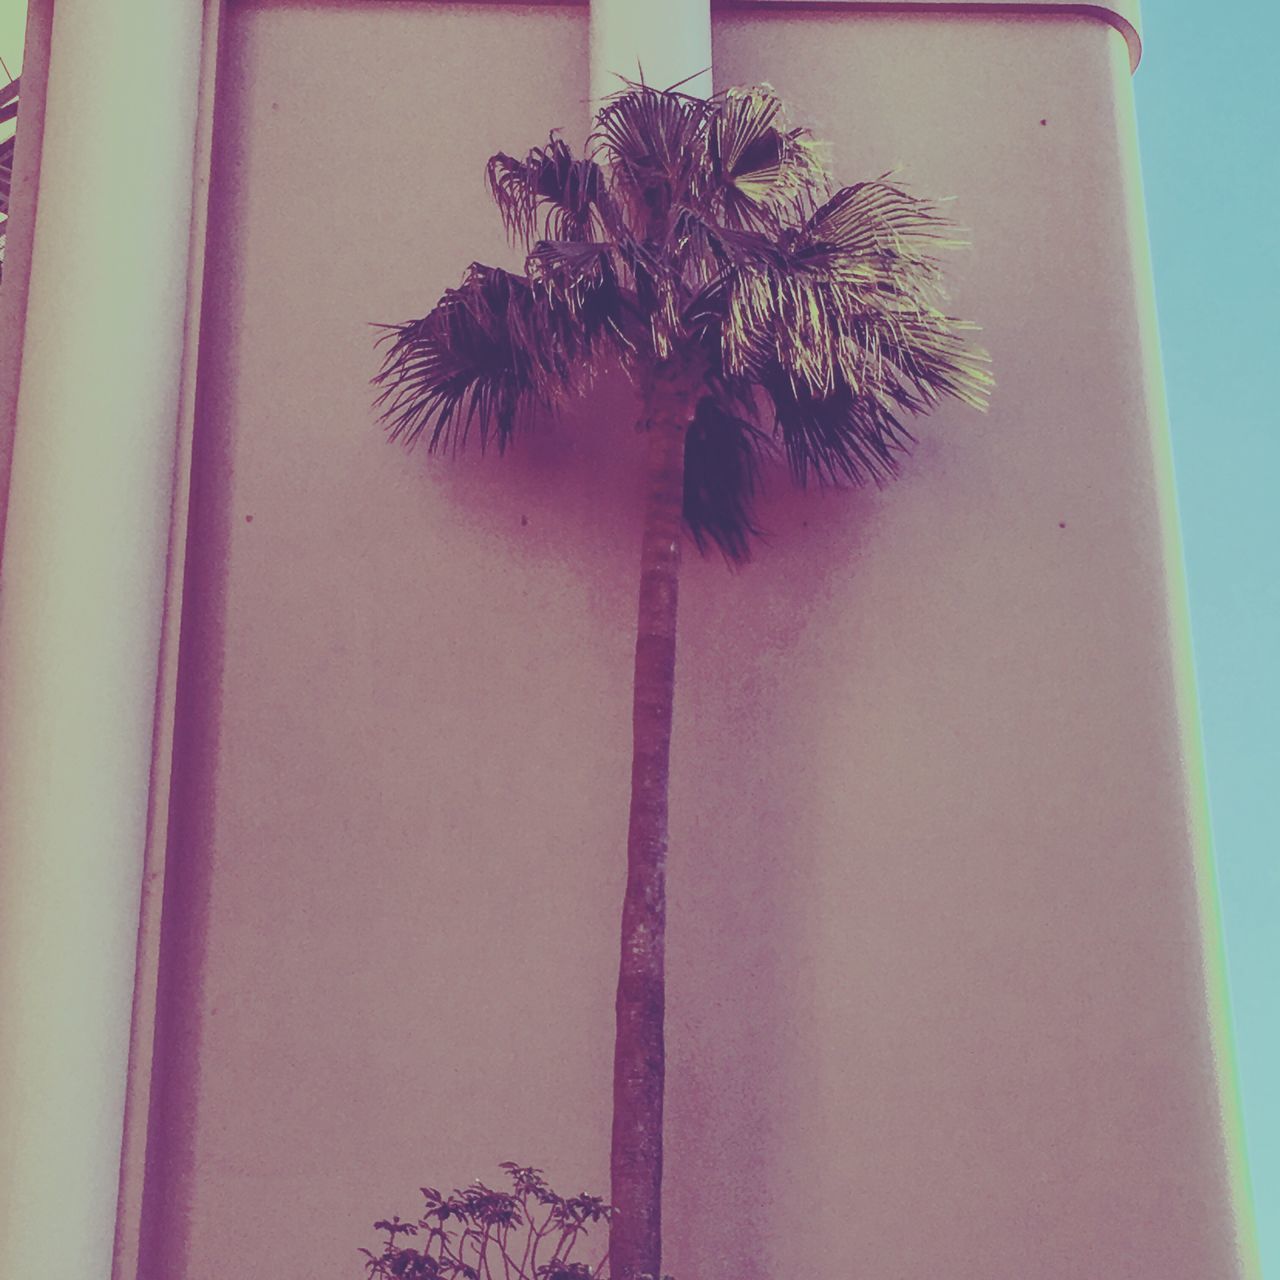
[635, 1245]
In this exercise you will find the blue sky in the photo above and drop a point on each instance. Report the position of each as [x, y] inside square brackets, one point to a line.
[1209, 121]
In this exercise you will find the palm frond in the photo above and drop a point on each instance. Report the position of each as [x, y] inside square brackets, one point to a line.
[571, 271]
[760, 169]
[848, 303]
[580, 281]
[878, 244]
[876, 217]
[488, 352]
[721, 476]
[8, 112]
[837, 438]
[550, 194]
[653, 143]
[843, 366]
[9, 99]
[778, 314]
[913, 358]
[6, 176]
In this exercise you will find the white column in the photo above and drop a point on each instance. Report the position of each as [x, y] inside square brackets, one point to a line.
[83, 581]
[667, 40]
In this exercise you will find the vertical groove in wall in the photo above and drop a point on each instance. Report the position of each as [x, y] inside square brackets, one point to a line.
[125, 1262]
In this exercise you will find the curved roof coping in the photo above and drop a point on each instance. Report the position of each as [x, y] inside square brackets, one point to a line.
[1124, 15]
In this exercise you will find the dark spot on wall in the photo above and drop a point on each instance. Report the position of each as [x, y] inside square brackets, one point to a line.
[1044, 122]
[248, 519]
[524, 520]
[1062, 524]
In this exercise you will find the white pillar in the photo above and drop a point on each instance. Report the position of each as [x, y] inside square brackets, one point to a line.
[667, 40]
[83, 584]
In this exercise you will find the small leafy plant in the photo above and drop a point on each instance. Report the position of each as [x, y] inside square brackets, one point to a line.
[478, 1233]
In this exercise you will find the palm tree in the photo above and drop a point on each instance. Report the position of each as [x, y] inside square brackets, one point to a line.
[700, 245]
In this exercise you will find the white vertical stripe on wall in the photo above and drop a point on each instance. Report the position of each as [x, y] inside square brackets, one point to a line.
[85, 551]
[666, 40]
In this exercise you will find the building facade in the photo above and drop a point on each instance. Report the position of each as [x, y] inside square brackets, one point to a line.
[319, 845]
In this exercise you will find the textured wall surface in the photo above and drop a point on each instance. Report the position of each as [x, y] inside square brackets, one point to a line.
[936, 1005]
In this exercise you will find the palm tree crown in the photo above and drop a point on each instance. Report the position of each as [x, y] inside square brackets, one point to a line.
[703, 234]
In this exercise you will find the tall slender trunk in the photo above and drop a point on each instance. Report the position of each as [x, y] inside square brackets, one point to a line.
[635, 1247]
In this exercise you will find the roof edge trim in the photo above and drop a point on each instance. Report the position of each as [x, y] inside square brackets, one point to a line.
[1123, 15]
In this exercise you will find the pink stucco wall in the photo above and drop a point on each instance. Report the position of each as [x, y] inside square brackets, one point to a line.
[936, 1006]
